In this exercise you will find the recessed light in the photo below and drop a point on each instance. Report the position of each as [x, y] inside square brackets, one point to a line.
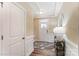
[41, 12]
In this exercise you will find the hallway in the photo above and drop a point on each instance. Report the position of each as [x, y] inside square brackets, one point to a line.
[39, 28]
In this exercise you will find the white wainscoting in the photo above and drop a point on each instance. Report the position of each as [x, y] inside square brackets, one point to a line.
[29, 47]
[71, 48]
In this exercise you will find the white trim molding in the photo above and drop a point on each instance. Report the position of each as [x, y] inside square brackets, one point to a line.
[29, 37]
[71, 48]
[29, 45]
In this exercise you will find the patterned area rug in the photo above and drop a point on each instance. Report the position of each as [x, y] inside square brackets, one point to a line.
[42, 48]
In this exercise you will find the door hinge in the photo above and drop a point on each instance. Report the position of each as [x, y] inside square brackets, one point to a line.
[1, 4]
[1, 37]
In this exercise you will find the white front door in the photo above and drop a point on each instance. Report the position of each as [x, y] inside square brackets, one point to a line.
[13, 30]
[43, 31]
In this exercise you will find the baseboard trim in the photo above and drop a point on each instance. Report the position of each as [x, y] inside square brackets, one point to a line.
[71, 48]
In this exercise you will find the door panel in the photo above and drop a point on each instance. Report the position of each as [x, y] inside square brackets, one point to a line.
[5, 21]
[16, 22]
[0, 27]
[17, 49]
[13, 30]
[16, 27]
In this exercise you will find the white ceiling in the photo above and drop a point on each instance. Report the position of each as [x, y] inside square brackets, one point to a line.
[45, 9]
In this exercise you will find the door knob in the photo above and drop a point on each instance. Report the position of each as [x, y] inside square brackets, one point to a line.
[1, 37]
[23, 37]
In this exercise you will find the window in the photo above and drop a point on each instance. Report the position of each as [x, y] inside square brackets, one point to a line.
[43, 23]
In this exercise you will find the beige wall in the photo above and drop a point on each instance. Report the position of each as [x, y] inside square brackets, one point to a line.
[29, 22]
[73, 27]
[36, 29]
[29, 17]
[52, 23]
[70, 21]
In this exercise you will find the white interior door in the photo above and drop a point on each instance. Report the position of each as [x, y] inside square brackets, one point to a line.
[0, 27]
[13, 30]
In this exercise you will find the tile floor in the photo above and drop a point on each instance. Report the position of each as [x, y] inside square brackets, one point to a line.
[42, 48]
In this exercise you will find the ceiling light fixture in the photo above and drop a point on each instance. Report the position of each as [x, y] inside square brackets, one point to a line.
[41, 12]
